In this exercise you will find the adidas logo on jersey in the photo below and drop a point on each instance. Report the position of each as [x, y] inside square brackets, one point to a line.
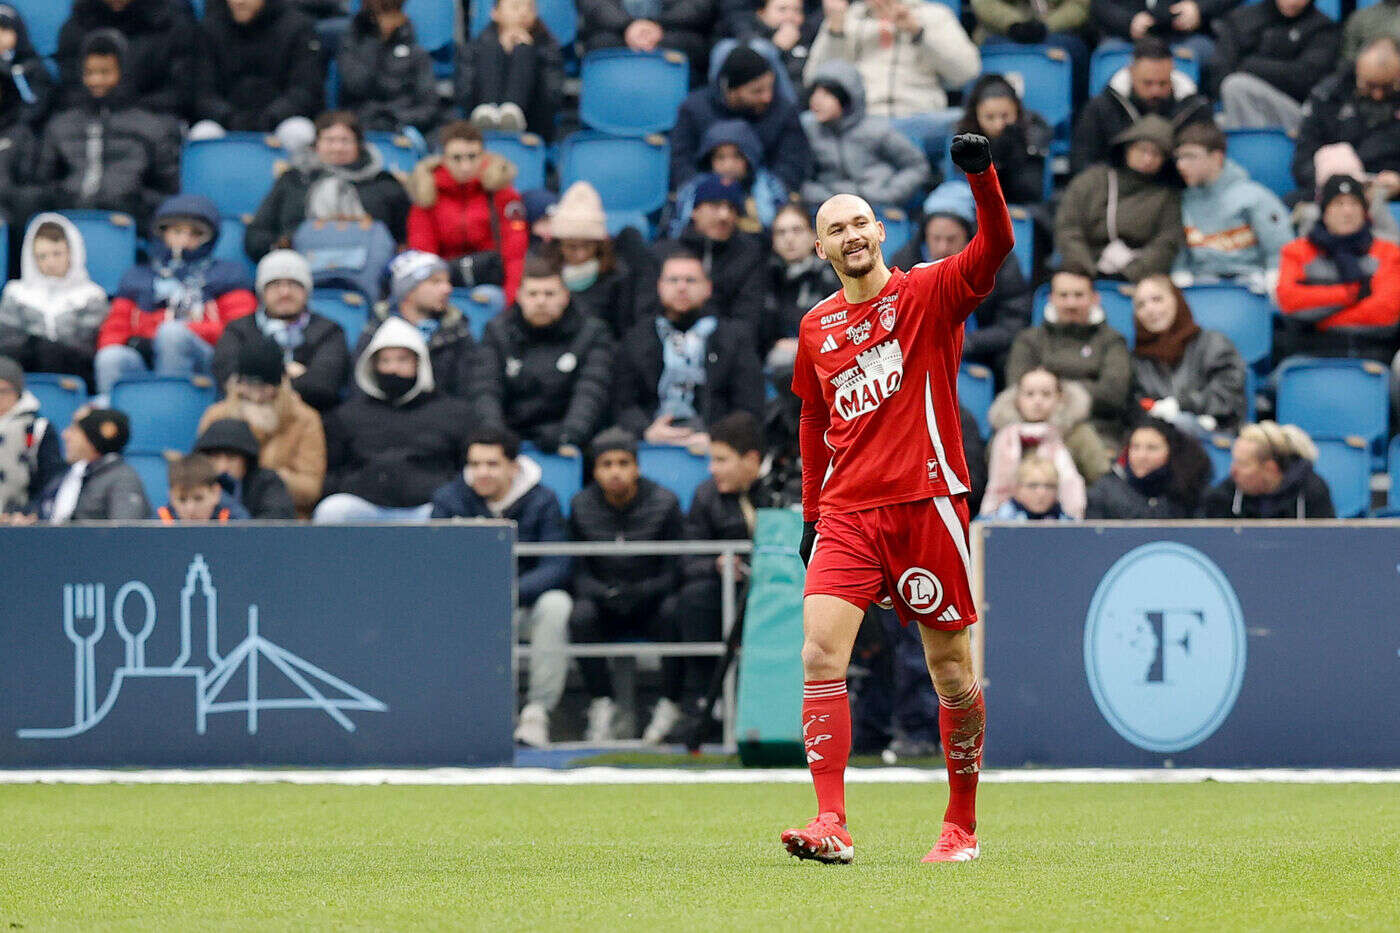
[878, 374]
[829, 343]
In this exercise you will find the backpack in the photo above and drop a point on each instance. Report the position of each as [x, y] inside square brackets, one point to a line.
[346, 254]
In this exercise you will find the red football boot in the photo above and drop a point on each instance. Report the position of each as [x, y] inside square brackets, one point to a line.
[824, 839]
[954, 845]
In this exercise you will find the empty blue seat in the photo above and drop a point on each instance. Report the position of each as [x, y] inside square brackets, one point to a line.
[433, 22]
[1267, 155]
[523, 150]
[479, 305]
[1345, 464]
[348, 309]
[1044, 74]
[1023, 228]
[630, 173]
[620, 220]
[1336, 398]
[630, 93]
[560, 17]
[1107, 60]
[1218, 450]
[1240, 314]
[154, 471]
[235, 172]
[110, 240]
[164, 410]
[1117, 308]
[562, 475]
[898, 229]
[975, 392]
[400, 152]
[230, 244]
[43, 19]
[59, 396]
[676, 468]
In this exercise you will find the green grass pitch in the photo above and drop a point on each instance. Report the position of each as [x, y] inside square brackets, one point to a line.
[693, 857]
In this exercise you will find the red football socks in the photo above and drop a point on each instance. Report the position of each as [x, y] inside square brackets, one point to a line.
[826, 733]
[961, 720]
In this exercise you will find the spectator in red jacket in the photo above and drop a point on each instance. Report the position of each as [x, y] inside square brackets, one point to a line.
[168, 314]
[1339, 286]
[466, 210]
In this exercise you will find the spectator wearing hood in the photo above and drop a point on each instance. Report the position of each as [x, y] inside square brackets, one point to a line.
[29, 450]
[1149, 85]
[1356, 106]
[1267, 58]
[1162, 474]
[731, 151]
[341, 176]
[313, 347]
[853, 152]
[683, 25]
[599, 279]
[104, 151]
[1339, 286]
[500, 482]
[25, 81]
[198, 494]
[386, 76]
[685, 368]
[1234, 226]
[908, 54]
[391, 445]
[511, 76]
[743, 90]
[259, 64]
[49, 316]
[546, 367]
[420, 289]
[99, 485]
[466, 210]
[1020, 138]
[169, 313]
[797, 279]
[1124, 220]
[1271, 477]
[235, 454]
[286, 433]
[160, 44]
[1078, 345]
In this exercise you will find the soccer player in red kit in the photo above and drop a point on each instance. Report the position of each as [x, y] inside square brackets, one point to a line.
[884, 490]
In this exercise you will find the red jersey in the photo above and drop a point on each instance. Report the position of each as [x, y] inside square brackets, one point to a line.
[879, 380]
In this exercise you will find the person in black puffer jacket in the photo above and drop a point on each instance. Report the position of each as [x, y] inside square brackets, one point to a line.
[385, 75]
[25, 81]
[162, 39]
[420, 290]
[258, 65]
[545, 367]
[1271, 477]
[230, 444]
[1162, 475]
[1267, 59]
[1339, 111]
[1020, 139]
[594, 270]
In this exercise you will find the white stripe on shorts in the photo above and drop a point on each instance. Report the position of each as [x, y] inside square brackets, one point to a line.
[954, 525]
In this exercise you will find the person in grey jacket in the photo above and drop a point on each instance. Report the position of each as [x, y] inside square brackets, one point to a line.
[98, 484]
[386, 77]
[1191, 377]
[854, 152]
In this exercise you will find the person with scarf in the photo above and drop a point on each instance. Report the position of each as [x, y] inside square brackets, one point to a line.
[419, 291]
[169, 313]
[1161, 474]
[1272, 476]
[1191, 377]
[1034, 500]
[49, 316]
[314, 351]
[1339, 286]
[600, 280]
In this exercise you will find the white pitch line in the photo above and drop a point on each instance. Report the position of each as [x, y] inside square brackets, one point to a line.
[461, 777]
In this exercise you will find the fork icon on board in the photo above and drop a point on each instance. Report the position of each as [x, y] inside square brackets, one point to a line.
[84, 621]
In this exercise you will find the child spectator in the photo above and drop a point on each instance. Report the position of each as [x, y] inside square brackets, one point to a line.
[420, 289]
[49, 316]
[169, 314]
[1041, 416]
[730, 151]
[1020, 139]
[1034, 499]
[854, 152]
[197, 495]
[25, 82]
[1268, 56]
[259, 65]
[231, 448]
[683, 25]
[386, 77]
[29, 449]
[511, 77]
[797, 280]
[163, 42]
[600, 281]
[1271, 477]
[1162, 474]
[98, 484]
[1191, 377]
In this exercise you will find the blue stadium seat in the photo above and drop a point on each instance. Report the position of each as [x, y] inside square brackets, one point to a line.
[675, 468]
[348, 309]
[1107, 60]
[43, 19]
[562, 475]
[1336, 398]
[230, 245]
[1240, 314]
[630, 174]
[433, 22]
[620, 220]
[400, 152]
[235, 172]
[525, 151]
[164, 410]
[1393, 462]
[1044, 73]
[975, 392]
[1218, 450]
[898, 229]
[110, 239]
[59, 396]
[1117, 307]
[1345, 464]
[1023, 228]
[479, 306]
[560, 17]
[630, 93]
[154, 471]
[1267, 155]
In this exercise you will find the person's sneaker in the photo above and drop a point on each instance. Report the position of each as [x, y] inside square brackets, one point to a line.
[485, 117]
[954, 845]
[663, 719]
[824, 840]
[510, 118]
[600, 720]
[533, 729]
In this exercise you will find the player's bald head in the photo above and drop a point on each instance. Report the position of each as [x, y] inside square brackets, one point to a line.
[842, 207]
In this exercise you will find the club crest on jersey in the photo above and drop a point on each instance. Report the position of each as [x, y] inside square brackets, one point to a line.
[888, 313]
[834, 319]
[859, 333]
[878, 374]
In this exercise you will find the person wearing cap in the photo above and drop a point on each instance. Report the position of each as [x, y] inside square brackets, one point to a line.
[600, 280]
[731, 150]
[99, 485]
[623, 597]
[313, 347]
[169, 313]
[743, 90]
[29, 450]
[234, 451]
[163, 43]
[683, 25]
[420, 287]
[1339, 286]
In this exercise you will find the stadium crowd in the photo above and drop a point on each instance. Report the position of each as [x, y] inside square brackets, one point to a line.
[609, 335]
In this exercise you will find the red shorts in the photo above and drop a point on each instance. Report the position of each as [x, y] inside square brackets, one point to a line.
[913, 552]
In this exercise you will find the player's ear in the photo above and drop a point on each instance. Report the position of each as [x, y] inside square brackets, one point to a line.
[821, 253]
[881, 225]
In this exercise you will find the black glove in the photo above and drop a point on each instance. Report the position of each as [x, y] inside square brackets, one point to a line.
[549, 438]
[1031, 32]
[971, 153]
[484, 268]
[809, 540]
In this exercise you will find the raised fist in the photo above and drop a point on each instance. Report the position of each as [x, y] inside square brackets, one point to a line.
[971, 153]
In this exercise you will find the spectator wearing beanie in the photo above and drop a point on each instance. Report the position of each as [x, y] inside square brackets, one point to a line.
[26, 86]
[98, 485]
[683, 25]
[511, 76]
[539, 214]
[29, 451]
[386, 76]
[313, 347]
[420, 287]
[231, 447]
[600, 281]
[161, 39]
[730, 150]
[288, 432]
[743, 90]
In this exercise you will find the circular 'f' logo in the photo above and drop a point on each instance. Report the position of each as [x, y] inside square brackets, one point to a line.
[920, 590]
[1164, 647]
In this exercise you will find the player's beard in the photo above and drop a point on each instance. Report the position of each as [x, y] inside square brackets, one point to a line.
[860, 267]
